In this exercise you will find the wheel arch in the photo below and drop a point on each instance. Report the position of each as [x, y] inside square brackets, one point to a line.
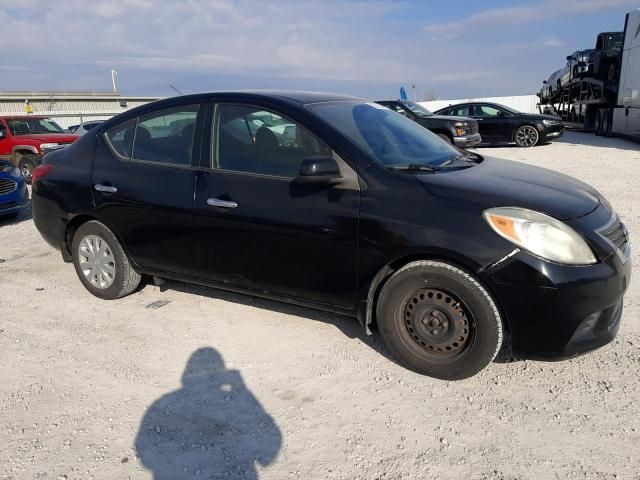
[367, 315]
[79, 220]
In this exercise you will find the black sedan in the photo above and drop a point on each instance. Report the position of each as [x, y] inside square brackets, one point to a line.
[499, 124]
[462, 132]
[340, 204]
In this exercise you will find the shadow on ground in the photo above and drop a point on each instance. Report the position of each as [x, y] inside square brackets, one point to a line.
[213, 427]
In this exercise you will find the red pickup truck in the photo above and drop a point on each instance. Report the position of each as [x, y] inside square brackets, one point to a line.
[25, 139]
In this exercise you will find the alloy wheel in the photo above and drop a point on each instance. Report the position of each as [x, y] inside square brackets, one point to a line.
[526, 136]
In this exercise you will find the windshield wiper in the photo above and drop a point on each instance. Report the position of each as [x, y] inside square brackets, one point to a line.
[415, 167]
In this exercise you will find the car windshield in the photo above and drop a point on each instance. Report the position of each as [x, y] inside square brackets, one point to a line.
[613, 41]
[28, 126]
[417, 109]
[388, 137]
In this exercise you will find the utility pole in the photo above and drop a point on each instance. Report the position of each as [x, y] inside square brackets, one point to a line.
[114, 75]
[414, 92]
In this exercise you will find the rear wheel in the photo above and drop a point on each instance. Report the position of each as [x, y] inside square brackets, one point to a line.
[439, 321]
[27, 164]
[526, 136]
[100, 262]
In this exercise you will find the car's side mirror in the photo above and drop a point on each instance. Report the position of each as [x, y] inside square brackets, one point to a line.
[569, 58]
[501, 113]
[318, 169]
[544, 82]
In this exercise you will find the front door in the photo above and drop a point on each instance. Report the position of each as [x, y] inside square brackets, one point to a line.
[143, 187]
[258, 228]
[494, 123]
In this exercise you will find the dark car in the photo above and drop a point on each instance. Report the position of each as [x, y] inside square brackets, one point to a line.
[14, 195]
[462, 132]
[604, 61]
[339, 204]
[499, 124]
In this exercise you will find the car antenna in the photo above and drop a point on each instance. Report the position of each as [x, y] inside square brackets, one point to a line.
[176, 89]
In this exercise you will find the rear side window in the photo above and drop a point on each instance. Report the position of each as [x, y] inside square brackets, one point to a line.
[459, 111]
[120, 138]
[166, 136]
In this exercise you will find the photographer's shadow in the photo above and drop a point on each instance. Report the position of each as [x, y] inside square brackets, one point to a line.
[213, 427]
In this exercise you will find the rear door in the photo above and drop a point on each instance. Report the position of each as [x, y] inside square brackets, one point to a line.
[259, 229]
[143, 186]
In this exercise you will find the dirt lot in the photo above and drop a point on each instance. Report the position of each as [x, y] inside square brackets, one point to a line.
[217, 385]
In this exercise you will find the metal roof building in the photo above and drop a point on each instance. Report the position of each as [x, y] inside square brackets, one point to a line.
[69, 108]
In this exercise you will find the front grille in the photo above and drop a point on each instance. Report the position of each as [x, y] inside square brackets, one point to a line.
[473, 126]
[7, 206]
[616, 233]
[7, 186]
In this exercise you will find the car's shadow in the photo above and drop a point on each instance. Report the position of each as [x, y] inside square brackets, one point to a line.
[347, 325]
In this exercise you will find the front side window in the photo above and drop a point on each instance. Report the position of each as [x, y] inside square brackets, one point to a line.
[30, 126]
[462, 111]
[387, 137]
[253, 140]
[166, 136]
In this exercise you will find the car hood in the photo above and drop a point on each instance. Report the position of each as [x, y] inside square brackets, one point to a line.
[536, 117]
[49, 137]
[501, 183]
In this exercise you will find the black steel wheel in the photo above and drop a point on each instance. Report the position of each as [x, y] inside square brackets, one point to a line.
[606, 123]
[597, 123]
[438, 320]
[526, 136]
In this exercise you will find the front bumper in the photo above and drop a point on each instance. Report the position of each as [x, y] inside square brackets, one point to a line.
[15, 201]
[557, 311]
[467, 141]
[552, 132]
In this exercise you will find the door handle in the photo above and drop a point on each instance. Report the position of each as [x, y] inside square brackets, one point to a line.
[216, 202]
[105, 188]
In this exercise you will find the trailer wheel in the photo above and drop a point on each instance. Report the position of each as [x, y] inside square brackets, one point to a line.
[597, 123]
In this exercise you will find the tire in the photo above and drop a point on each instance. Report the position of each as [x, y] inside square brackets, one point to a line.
[612, 72]
[439, 321]
[445, 137]
[26, 164]
[597, 123]
[116, 277]
[526, 136]
[605, 129]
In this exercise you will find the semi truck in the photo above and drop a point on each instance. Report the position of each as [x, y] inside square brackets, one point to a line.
[607, 106]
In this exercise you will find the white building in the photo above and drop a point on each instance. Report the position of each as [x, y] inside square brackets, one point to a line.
[69, 108]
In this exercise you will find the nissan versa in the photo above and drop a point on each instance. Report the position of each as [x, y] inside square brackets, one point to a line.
[339, 204]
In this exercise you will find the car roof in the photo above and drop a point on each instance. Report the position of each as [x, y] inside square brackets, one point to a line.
[23, 117]
[301, 97]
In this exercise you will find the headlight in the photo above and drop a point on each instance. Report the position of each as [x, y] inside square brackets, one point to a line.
[549, 122]
[461, 127]
[47, 145]
[540, 234]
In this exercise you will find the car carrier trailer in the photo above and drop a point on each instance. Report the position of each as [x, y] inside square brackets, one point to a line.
[606, 107]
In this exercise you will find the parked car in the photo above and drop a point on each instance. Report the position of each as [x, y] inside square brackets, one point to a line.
[462, 132]
[72, 128]
[604, 61]
[366, 214]
[24, 139]
[550, 86]
[86, 126]
[14, 195]
[500, 124]
[575, 68]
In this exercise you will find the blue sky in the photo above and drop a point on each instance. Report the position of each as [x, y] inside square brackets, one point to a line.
[367, 48]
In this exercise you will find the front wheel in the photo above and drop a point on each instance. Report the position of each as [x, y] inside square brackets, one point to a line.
[27, 164]
[527, 136]
[100, 262]
[439, 321]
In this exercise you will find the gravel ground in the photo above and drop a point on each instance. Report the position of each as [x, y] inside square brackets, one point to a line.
[218, 385]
